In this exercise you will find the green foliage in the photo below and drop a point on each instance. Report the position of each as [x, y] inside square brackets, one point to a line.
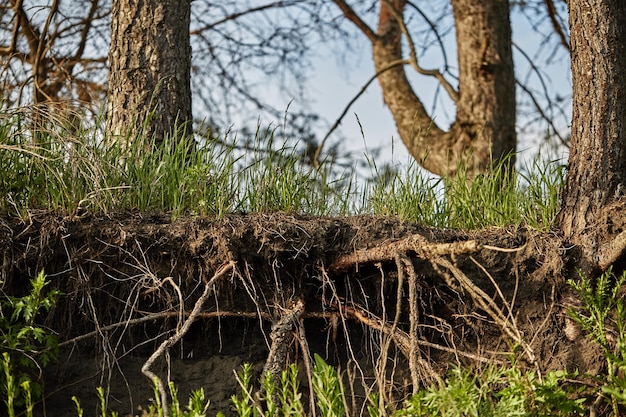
[541, 186]
[184, 174]
[496, 391]
[245, 405]
[283, 397]
[412, 196]
[277, 180]
[489, 199]
[328, 389]
[25, 346]
[603, 318]
[197, 406]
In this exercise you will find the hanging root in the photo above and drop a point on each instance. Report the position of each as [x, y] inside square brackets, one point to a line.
[282, 336]
[145, 369]
[439, 255]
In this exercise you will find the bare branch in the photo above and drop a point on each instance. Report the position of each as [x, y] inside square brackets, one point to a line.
[544, 86]
[8, 50]
[350, 14]
[39, 56]
[32, 35]
[433, 27]
[551, 9]
[454, 95]
[318, 151]
[245, 12]
[543, 115]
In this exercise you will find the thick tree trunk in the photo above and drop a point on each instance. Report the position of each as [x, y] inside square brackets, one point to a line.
[593, 202]
[149, 67]
[484, 130]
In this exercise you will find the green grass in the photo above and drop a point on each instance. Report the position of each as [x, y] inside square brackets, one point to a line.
[74, 173]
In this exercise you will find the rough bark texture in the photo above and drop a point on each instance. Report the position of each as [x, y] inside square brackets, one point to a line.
[485, 122]
[149, 67]
[597, 164]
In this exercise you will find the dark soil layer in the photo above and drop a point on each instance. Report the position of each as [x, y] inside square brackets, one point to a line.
[129, 281]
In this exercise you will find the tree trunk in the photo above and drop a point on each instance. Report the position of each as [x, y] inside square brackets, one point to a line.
[484, 130]
[149, 68]
[593, 200]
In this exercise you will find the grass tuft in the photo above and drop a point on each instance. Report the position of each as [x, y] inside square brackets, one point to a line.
[84, 171]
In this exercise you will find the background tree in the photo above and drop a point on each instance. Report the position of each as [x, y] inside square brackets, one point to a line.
[50, 56]
[485, 97]
[592, 215]
[149, 68]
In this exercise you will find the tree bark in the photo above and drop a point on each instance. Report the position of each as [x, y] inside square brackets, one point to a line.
[593, 200]
[149, 68]
[484, 129]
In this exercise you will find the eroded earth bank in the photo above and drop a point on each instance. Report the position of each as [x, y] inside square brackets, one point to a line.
[388, 303]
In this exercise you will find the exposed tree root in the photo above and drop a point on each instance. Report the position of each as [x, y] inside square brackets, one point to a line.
[414, 243]
[282, 336]
[402, 338]
[408, 295]
[145, 369]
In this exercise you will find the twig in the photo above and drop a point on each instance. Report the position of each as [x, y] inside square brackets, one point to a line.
[318, 151]
[454, 95]
[145, 369]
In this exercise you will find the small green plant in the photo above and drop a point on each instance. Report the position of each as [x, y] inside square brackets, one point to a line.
[245, 405]
[197, 406]
[283, 397]
[495, 391]
[603, 318]
[25, 345]
[328, 389]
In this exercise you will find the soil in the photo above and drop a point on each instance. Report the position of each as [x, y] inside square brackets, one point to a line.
[275, 289]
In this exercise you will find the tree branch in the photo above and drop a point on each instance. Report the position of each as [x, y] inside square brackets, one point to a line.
[9, 50]
[32, 36]
[454, 95]
[350, 14]
[245, 12]
[555, 23]
[545, 92]
[433, 27]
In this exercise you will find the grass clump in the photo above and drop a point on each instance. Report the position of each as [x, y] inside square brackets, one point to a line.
[201, 175]
[85, 171]
[497, 197]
